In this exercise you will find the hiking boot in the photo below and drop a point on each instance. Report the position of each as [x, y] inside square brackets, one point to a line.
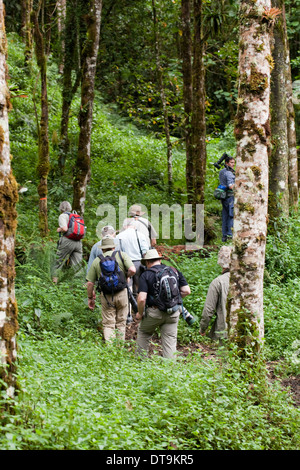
[224, 239]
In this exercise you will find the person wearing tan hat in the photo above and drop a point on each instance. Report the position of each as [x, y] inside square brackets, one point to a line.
[107, 231]
[142, 224]
[114, 306]
[215, 304]
[155, 317]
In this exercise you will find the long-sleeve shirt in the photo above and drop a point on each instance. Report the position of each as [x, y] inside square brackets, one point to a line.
[226, 177]
[215, 304]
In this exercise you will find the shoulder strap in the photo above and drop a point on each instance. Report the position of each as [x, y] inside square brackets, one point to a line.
[121, 257]
[137, 237]
[146, 225]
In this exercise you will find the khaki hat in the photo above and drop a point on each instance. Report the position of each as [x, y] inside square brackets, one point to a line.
[224, 256]
[151, 255]
[108, 229]
[135, 210]
[108, 242]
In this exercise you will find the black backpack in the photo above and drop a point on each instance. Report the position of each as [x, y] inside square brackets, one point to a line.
[166, 289]
[112, 279]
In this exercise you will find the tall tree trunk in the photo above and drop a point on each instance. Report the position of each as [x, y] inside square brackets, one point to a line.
[8, 223]
[252, 130]
[159, 71]
[186, 53]
[61, 19]
[198, 125]
[291, 127]
[278, 178]
[26, 7]
[43, 148]
[89, 63]
[71, 62]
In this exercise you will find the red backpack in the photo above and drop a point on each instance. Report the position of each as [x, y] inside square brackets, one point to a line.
[76, 228]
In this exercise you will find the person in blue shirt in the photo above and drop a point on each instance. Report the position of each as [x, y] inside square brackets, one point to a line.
[107, 231]
[227, 178]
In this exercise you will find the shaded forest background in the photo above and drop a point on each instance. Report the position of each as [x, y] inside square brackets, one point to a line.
[208, 399]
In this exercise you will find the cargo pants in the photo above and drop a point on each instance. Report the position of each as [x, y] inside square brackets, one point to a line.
[114, 314]
[68, 249]
[152, 319]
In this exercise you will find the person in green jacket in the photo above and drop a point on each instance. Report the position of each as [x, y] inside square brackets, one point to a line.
[215, 304]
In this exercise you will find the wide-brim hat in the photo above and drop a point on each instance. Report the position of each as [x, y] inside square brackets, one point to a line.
[151, 255]
[135, 209]
[108, 242]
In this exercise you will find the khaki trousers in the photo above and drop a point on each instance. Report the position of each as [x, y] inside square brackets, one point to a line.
[67, 248]
[168, 327]
[114, 314]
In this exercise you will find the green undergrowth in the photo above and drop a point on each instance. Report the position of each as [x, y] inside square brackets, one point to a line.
[81, 394]
[78, 393]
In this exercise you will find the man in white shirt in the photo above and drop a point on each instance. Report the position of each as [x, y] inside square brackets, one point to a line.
[143, 225]
[134, 243]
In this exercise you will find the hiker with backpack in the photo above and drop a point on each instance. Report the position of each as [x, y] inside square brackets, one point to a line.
[71, 230]
[110, 273]
[142, 224]
[134, 243]
[161, 290]
[216, 299]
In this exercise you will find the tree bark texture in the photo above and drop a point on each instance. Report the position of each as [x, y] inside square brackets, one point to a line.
[89, 62]
[26, 9]
[159, 71]
[291, 127]
[252, 131]
[61, 19]
[198, 125]
[71, 62]
[186, 53]
[8, 223]
[278, 167]
[43, 147]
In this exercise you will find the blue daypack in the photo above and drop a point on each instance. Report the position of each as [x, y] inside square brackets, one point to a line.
[220, 192]
[112, 279]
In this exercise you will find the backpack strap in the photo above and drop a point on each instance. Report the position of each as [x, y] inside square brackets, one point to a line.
[146, 225]
[137, 237]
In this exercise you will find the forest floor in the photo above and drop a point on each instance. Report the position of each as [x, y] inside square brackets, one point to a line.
[291, 383]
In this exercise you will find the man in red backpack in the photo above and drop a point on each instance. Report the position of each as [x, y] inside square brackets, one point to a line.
[69, 246]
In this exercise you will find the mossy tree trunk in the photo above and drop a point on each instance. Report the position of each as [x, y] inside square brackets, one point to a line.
[278, 167]
[61, 19]
[71, 64]
[198, 125]
[186, 54]
[89, 63]
[160, 77]
[26, 9]
[252, 130]
[8, 223]
[43, 144]
[194, 98]
[291, 127]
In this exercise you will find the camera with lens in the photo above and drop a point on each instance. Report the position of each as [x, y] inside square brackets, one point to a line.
[218, 163]
[187, 316]
[132, 300]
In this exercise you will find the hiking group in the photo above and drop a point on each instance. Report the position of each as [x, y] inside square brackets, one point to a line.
[130, 276]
